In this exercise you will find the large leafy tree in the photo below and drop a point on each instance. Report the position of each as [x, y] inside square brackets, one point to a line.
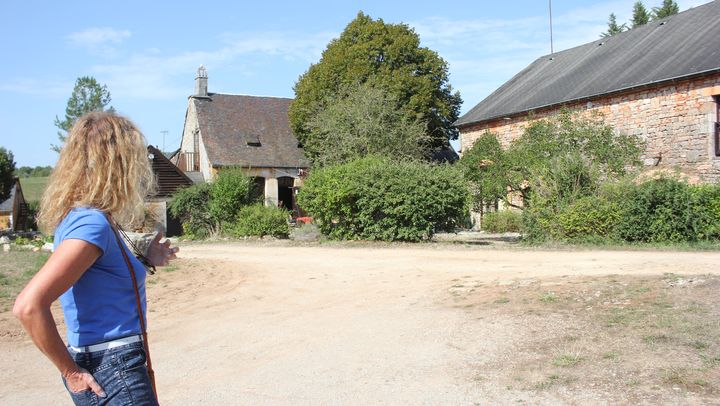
[567, 142]
[7, 177]
[668, 8]
[87, 95]
[613, 27]
[641, 16]
[363, 121]
[387, 57]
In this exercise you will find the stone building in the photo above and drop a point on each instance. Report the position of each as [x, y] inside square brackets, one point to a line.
[14, 210]
[659, 82]
[237, 131]
[169, 179]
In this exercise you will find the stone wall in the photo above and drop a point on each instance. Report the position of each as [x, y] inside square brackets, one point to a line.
[676, 120]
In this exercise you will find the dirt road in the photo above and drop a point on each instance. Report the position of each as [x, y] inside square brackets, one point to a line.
[251, 324]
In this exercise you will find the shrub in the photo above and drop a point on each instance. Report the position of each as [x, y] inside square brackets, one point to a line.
[589, 216]
[668, 210]
[258, 220]
[204, 208]
[502, 221]
[190, 206]
[230, 191]
[376, 198]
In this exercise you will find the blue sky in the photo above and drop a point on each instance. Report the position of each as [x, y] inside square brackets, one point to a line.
[147, 53]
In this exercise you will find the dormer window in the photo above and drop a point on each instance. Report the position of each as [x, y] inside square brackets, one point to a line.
[252, 140]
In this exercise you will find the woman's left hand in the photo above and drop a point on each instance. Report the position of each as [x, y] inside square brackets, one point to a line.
[160, 254]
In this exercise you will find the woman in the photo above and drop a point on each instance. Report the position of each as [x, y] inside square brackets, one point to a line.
[102, 176]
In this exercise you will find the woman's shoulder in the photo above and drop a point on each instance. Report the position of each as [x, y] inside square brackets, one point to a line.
[83, 218]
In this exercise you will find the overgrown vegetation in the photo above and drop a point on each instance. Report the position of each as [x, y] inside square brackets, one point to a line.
[502, 221]
[226, 206]
[377, 198]
[260, 220]
[576, 182]
[7, 169]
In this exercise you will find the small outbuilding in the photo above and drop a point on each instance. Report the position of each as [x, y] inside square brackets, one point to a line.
[14, 210]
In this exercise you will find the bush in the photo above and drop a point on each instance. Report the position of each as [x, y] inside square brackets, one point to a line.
[589, 216]
[190, 206]
[376, 198]
[205, 208]
[258, 221]
[502, 221]
[667, 210]
[229, 192]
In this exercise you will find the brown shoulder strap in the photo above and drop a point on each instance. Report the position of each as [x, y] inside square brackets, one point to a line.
[138, 302]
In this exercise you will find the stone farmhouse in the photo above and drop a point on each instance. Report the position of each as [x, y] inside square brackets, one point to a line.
[659, 81]
[237, 131]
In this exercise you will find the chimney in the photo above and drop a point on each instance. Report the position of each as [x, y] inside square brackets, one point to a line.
[201, 82]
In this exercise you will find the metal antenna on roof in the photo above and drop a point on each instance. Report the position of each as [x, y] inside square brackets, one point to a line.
[551, 33]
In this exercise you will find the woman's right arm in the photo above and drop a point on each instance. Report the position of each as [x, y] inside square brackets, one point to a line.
[32, 307]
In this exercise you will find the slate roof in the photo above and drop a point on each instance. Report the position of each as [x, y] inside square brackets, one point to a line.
[680, 46]
[248, 131]
[9, 204]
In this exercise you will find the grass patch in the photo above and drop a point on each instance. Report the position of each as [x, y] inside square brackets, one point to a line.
[16, 269]
[33, 188]
[549, 297]
[611, 355]
[567, 360]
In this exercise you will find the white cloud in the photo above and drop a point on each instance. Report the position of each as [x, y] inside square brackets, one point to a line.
[152, 75]
[99, 40]
[36, 87]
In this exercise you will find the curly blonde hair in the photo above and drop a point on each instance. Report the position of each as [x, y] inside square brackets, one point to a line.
[104, 164]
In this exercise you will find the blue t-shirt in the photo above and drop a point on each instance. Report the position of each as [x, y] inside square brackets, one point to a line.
[101, 305]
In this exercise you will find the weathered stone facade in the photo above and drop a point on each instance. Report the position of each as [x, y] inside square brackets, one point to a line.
[676, 120]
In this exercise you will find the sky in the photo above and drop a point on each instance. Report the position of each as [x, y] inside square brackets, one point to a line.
[147, 52]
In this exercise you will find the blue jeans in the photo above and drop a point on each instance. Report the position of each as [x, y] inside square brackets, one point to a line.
[122, 374]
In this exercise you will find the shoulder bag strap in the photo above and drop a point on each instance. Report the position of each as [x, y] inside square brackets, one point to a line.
[139, 305]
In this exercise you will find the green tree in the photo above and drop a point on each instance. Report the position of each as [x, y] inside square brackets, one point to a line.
[613, 27]
[87, 95]
[387, 57]
[362, 121]
[7, 173]
[641, 16]
[578, 146]
[668, 8]
[484, 166]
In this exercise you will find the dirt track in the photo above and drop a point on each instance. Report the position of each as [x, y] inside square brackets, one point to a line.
[273, 324]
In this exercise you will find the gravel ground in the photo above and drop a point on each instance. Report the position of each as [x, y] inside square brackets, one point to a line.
[276, 324]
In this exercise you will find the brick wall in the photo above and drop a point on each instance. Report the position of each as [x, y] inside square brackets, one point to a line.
[676, 120]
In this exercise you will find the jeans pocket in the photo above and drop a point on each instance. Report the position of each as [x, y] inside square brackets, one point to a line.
[83, 398]
[134, 358]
